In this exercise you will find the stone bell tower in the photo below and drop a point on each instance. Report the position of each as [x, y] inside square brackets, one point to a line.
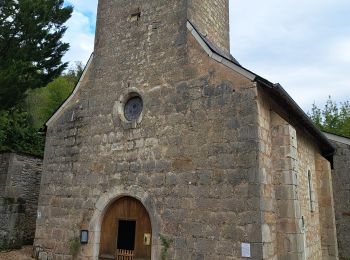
[145, 27]
[211, 18]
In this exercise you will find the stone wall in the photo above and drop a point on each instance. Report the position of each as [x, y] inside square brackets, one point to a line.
[12, 217]
[266, 189]
[307, 179]
[286, 162]
[326, 209]
[293, 227]
[4, 161]
[341, 183]
[23, 174]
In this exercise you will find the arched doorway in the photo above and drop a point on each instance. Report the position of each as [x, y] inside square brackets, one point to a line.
[126, 231]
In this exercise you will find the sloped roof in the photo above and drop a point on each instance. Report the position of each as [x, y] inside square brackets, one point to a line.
[337, 138]
[276, 91]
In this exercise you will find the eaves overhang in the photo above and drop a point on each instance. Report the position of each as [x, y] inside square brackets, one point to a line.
[296, 114]
[275, 90]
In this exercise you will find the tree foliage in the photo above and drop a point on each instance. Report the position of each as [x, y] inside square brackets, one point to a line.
[333, 118]
[30, 46]
[16, 134]
[41, 103]
[30, 57]
[74, 73]
[19, 127]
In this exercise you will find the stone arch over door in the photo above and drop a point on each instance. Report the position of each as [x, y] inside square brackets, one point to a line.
[126, 231]
[102, 206]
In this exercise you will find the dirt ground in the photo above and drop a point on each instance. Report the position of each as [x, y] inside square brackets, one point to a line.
[23, 254]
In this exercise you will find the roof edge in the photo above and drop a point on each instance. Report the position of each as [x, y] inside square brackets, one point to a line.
[217, 56]
[75, 90]
[337, 138]
[327, 148]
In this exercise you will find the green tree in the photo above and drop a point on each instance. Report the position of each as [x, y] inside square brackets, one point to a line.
[74, 73]
[19, 129]
[333, 118]
[41, 103]
[30, 46]
[17, 135]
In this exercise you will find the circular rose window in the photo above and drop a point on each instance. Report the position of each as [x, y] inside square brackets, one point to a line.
[133, 108]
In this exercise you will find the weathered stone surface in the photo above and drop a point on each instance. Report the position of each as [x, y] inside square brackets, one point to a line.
[212, 22]
[12, 217]
[341, 191]
[20, 179]
[296, 230]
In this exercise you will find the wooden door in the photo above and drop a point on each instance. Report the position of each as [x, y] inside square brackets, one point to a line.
[125, 229]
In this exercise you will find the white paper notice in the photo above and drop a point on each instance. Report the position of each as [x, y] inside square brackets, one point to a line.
[246, 250]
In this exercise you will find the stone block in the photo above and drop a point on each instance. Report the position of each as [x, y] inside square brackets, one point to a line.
[286, 192]
[288, 209]
[43, 256]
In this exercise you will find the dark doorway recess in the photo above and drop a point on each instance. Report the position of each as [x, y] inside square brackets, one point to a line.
[126, 234]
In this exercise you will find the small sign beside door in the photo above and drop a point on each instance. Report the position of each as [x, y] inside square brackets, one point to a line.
[246, 250]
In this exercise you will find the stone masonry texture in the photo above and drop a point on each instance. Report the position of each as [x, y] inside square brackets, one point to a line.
[4, 161]
[291, 230]
[12, 216]
[341, 183]
[210, 18]
[201, 158]
[20, 179]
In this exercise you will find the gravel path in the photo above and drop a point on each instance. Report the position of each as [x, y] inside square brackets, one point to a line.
[23, 254]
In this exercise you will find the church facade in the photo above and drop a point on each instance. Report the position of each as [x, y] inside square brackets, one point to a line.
[169, 149]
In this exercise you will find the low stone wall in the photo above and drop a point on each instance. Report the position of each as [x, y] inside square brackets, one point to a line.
[12, 218]
[20, 177]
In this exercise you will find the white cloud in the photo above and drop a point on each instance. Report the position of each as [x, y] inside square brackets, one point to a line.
[311, 84]
[340, 50]
[80, 34]
[84, 6]
[304, 45]
[80, 38]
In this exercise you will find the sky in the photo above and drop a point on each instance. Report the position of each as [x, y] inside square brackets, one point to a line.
[303, 45]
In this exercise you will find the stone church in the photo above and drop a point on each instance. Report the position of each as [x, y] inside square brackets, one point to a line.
[169, 148]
